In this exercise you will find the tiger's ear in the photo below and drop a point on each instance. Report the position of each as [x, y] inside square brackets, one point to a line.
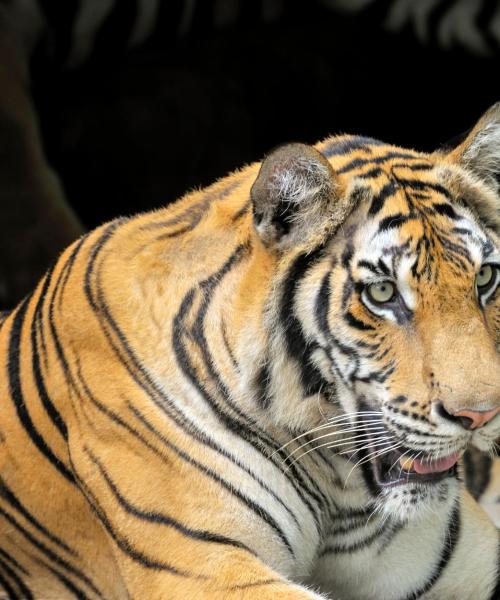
[480, 151]
[292, 195]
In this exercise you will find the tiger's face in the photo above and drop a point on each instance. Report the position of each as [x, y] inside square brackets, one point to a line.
[410, 324]
[398, 303]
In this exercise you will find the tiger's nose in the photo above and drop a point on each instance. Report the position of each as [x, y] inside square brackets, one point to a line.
[472, 419]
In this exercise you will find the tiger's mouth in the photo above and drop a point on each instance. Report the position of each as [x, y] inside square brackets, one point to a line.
[397, 468]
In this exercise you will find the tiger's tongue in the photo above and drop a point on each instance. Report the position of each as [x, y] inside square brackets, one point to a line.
[435, 466]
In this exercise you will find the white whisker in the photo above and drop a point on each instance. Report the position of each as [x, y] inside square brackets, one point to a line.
[324, 445]
[331, 423]
[333, 433]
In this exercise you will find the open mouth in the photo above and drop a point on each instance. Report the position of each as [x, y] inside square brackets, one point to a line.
[397, 468]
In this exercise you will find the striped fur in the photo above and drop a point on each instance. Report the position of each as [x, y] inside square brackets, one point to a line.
[192, 398]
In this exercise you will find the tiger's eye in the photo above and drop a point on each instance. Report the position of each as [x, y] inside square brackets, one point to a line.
[381, 292]
[484, 276]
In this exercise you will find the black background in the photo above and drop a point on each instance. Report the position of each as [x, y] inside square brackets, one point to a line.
[133, 132]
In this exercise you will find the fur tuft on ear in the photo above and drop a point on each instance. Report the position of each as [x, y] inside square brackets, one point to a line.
[480, 151]
[292, 195]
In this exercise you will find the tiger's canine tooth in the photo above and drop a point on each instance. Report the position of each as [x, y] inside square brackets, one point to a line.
[406, 463]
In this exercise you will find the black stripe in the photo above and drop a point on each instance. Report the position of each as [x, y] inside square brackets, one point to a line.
[296, 345]
[421, 166]
[21, 585]
[337, 147]
[227, 346]
[477, 467]
[383, 267]
[445, 209]
[50, 554]
[197, 333]
[367, 474]
[356, 323]
[8, 495]
[14, 376]
[394, 221]
[360, 162]
[378, 201]
[322, 305]
[241, 212]
[262, 384]
[388, 536]
[419, 184]
[371, 174]
[248, 502]
[370, 266]
[9, 589]
[126, 547]
[162, 518]
[67, 583]
[13, 561]
[194, 212]
[54, 414]
[458, 250]
[110, 414]
[352, 547]
[449, 544]
[58, 293]
[254, 584]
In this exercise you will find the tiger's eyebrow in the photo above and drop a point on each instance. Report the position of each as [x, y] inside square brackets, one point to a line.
[366, 264]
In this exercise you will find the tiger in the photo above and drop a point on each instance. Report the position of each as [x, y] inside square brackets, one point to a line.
[264, 390]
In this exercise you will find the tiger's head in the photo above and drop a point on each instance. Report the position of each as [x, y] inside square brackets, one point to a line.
[385, 313]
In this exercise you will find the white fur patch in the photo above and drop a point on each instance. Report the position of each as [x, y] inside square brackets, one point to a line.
[483, 155]
[308, 179]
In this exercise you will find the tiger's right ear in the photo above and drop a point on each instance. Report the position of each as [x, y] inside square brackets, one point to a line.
[293, 196]
[480, 151]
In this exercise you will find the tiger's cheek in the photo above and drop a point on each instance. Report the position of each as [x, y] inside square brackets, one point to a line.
[393, 374]
[492, 317]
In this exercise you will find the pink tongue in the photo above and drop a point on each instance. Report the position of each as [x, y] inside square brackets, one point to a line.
[435, 466]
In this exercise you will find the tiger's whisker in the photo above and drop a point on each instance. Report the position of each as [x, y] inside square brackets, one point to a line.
[334, 433]
[326, 444]
[320, 428]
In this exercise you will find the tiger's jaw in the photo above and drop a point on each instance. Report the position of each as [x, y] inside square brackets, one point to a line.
[405, 479]
[406, 488]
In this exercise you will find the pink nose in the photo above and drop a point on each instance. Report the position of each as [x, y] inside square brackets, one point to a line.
[472, 419]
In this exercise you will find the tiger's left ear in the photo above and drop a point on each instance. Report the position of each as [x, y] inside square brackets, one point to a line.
[294, 196]
[480, 151]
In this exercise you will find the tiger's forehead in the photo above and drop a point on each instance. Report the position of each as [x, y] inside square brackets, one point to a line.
[367, 157]
[408, 225]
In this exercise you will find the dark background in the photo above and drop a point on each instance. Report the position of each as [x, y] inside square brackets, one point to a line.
[133, 130]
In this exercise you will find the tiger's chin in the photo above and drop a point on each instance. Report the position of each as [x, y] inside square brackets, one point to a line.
[414, 501]
[410, 491]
